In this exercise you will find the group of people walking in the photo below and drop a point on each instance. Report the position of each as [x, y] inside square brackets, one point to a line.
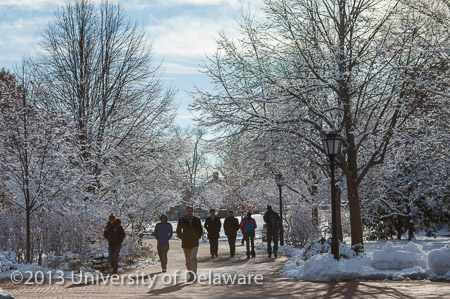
[190, 231]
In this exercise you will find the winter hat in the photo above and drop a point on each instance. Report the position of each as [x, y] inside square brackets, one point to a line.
[164, 215]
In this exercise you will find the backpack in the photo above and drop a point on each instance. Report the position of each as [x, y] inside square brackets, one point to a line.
[249, 226]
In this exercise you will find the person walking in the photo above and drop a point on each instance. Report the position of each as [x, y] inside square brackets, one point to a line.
[115, 234]
[212, 226]
[231, 227]
[272, 219]
[163, 233]
[189, 230]
[248, 227]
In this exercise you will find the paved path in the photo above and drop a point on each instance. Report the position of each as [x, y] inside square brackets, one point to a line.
[267, 284]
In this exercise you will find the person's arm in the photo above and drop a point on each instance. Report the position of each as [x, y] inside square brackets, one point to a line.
[122, 233]
[155, 232]
[236, 224]
[243, 225]
[198, 227]
[206, 225]
[265, 218]
[179, 232]
[170, 231]
[254, 222]
[106, 233]
[225, 226]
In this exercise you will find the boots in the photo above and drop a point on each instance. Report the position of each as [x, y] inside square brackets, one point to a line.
[275, 253]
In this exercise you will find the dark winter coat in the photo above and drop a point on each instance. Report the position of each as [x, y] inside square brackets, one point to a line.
[273, 221]
[189, 233]
[163, 231]
[231, 226]
[213, 227]
[114, 233]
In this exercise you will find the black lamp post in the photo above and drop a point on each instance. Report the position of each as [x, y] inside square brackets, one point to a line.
[279, 181]
[331, 145]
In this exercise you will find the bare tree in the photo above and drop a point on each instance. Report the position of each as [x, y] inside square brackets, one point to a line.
[315, 66]
[32, 154]
[193, 163]
[96, 69]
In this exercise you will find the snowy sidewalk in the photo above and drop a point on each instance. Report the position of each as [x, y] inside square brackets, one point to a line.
[215, 282]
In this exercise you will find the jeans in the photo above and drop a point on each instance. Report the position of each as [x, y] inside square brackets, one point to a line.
[250, 237]
[213, 246]
[272, 235]
[191, 258]
[114, 256]
[162, 253]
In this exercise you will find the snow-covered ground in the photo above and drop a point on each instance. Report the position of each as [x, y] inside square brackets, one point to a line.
[423, 258]
[4, 294]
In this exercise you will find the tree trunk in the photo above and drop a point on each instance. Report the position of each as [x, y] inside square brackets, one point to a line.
[315, 217]
[355, 212]
[28, 212]
[410, 224]
[315, 211]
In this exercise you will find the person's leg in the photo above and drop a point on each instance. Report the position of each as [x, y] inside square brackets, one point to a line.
[232, 242]
[211, 247]
[247, 241]
[116, 258]
[187, 256]
[110, 255]
[163, 256]
[253, 245]
[159, 249]
[216, 246]
[193, 258]
[275, 243]
[269, 243]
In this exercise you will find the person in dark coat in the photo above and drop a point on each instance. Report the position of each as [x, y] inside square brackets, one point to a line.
[272, 219]
[231, 227]
[248, 226]
[115, 234]
[189, 230]
[163, 233]
[212, 226]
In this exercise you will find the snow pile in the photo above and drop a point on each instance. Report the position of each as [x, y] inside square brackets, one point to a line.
[399, 257]
[439, 261]
[6, 261]
[403, 262]
[4, 294]
[321, 246]
[316, 247]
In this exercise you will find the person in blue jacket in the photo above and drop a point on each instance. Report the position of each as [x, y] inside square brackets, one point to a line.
[163, 232]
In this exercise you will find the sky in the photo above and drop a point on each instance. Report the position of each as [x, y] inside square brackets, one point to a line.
[183, 34]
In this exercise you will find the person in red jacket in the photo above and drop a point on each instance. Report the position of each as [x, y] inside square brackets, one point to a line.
[248, 226]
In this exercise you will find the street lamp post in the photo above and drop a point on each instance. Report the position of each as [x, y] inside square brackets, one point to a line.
[331, 145]
[279, 181]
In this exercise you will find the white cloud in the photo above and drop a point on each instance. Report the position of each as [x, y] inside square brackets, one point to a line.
[233, 3]
[30, 4]
[188, 36]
